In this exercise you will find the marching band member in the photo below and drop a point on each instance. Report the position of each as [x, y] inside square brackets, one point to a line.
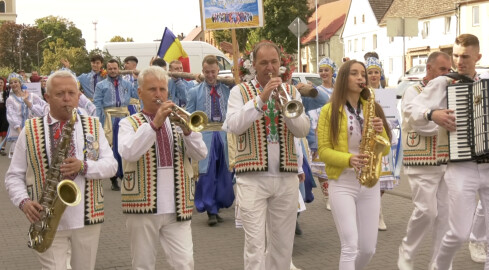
[89, 80]
[355, 207]
[158, 204]
[423, 161]
[130, 64]
[178, 88]
[88, 161]
[112, 97]
[266, 162]
[214, 189]
[464, 179]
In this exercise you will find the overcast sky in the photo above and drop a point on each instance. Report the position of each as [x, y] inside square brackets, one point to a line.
[143, 20]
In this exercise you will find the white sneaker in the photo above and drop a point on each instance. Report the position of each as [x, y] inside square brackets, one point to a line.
[477, 252]
[292, 266]
[382, 226]
[328, 206]
[402, 262]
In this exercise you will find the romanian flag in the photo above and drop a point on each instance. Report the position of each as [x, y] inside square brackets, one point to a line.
[171, 49]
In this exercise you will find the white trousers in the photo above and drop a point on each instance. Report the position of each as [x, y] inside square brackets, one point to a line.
[464, 180]
[268, 208]
[478, 232]
[355, 211]
[430, 199]
[175, 237]
[83, 243]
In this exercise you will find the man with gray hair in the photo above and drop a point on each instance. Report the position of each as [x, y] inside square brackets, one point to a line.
[88, 160]
[424, 172]
[157, 192]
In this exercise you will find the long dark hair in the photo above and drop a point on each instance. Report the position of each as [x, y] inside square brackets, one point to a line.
[338, 100]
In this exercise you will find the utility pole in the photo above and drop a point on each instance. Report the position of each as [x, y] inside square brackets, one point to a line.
[20, 48]
[95, 31]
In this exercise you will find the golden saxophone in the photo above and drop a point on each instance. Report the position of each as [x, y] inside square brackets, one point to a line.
[372, 144]
[57, 194]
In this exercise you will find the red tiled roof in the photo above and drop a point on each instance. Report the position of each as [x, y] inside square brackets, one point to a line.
[331, 17]
[193, 34]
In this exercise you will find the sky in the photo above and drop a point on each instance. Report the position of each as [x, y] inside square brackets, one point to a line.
[142, 20]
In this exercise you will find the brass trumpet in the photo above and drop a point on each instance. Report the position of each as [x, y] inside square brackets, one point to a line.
[197, 120]
[290, 108]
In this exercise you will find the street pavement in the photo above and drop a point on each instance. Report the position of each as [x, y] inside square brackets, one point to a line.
[221, 247]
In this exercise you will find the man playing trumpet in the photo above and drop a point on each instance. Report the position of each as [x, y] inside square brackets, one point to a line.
[158, 204]
[266, 162]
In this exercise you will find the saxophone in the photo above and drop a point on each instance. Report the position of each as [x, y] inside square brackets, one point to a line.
[372, 144]
[57, 194]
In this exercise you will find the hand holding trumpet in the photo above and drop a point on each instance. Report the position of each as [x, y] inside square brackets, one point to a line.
[272, 84]
[165, 109]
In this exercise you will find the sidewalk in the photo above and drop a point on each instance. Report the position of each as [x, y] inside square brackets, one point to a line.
[221, 247]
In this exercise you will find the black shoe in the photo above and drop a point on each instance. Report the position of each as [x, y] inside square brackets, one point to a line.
[219, 218]
[212, 220]
[298, 230]
[2, 152]
[115, 185]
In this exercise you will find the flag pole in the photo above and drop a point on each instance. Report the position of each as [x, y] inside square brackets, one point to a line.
[235, 56]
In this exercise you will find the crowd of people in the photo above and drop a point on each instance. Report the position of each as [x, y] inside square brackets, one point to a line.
[177, 145]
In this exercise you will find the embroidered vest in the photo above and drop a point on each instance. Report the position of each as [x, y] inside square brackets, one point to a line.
[252, 146]
[139, 186]
[38, 165]
[421, 150]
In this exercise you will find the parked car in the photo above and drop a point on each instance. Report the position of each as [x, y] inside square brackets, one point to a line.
[304, 77]
[416, 72]
[403, 85]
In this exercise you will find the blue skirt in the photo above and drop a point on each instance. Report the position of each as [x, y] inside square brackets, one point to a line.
[214, 190]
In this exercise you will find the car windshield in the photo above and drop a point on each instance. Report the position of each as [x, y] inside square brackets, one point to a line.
[315, 80]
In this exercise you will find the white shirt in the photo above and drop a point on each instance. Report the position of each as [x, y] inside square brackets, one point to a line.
[240, 117]
[104, 167]
[134, 144]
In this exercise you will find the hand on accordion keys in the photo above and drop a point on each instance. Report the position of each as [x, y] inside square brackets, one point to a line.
[444, 118]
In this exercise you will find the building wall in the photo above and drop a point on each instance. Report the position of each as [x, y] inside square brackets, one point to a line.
[333, 49]
[480, 30]
[10, 11]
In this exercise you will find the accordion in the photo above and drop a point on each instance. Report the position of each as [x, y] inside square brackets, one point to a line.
[470, 103]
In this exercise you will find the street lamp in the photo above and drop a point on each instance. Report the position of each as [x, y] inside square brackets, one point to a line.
[37, 49]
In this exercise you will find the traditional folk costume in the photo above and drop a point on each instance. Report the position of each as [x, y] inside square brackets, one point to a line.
[88, 82]
[355, 207]
[80, 225]
[112, 97]
[18, 112]
[464, 179]
[266, 174]
[157, 190]
[425, 158]
[214, 190]
[3, 118]
[178, 90]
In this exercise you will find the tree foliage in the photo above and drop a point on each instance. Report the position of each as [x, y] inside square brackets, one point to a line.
[121, 39]
[58, 50]
[19, 43]
[59, 27]
[278, 15]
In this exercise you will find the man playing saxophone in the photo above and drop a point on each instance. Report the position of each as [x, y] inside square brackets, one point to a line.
[88, 160]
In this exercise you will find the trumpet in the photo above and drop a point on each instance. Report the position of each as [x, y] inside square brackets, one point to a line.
[197, 120]
[290, 108]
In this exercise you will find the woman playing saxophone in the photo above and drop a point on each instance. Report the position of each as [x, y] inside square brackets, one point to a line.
[355, 207]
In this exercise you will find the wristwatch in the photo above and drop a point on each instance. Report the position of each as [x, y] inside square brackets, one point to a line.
[429, 114]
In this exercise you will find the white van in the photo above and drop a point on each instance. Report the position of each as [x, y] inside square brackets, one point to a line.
[144, 51]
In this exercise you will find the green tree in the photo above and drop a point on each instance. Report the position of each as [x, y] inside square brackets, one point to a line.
[58, 27]
[18, 46]
[78, 57]
[121, 39]
[241, 37]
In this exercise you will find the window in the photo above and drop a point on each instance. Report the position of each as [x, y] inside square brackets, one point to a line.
[355, 46]
[355, 20]
[391, 65]
[2, 6]
[391, 39]
[475, 16]
[321, 48]
[363, 43]
[426, 29]
[363, 18]
[448, 21]
[349, 45]
[374, 43]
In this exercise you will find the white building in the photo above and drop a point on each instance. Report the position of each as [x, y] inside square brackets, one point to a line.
[474, 17]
